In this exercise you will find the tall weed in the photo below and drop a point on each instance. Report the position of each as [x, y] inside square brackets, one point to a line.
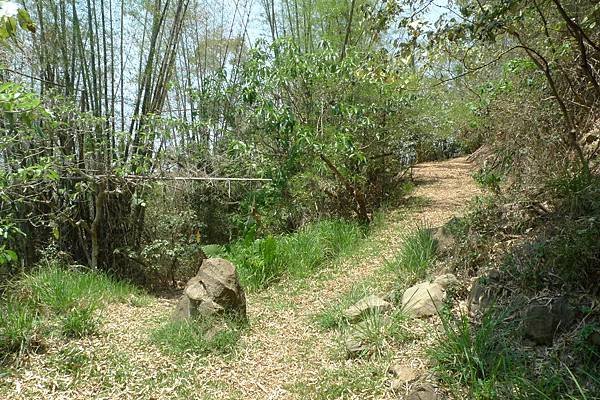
[416, 256]
[18, 328]
[476, 356]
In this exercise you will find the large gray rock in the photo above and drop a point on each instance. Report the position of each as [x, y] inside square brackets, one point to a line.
[369, 304]
[215, 290]
[541, 321]
[423, 299]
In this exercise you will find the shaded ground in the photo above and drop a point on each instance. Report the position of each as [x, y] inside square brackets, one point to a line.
[283, 354]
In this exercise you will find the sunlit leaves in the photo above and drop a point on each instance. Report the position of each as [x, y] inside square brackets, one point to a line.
[11, 16]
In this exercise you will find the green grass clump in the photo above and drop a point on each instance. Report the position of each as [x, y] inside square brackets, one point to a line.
[59, 289]
[377, 332]
[416, 256]
[380, 333]
[80, 322]
[300, 254]
[477, 357]
[63, 301]
[18, 328]
[214, 250]
[332, 316]
[71, 360]
[198, 336]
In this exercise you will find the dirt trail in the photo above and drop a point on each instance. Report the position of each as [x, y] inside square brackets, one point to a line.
[283, 355]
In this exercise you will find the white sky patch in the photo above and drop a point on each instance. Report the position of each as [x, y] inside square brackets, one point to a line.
[8, 9]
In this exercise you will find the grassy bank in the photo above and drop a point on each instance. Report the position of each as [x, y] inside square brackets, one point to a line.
[56, 301]
[263, 261]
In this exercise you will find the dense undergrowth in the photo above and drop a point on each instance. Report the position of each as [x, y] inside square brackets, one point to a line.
[521, 252]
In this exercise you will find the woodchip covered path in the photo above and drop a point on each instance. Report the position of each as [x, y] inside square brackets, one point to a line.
[282, 355]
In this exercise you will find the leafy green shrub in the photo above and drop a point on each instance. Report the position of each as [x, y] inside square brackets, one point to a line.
[416, 256]
[564, 253]
[433, 147]
[489, 179]
[577, 194]
[198, 336]
[265, 260]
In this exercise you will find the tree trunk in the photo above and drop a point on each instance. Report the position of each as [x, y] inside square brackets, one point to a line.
[95, 228]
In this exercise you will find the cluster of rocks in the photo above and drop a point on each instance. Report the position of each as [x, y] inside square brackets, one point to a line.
[216, 291]
[419, 301]
[541, 319]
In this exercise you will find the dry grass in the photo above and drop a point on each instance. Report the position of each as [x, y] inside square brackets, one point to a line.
[283, 354]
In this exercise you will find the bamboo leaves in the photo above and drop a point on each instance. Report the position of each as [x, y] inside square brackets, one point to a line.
[11, 16]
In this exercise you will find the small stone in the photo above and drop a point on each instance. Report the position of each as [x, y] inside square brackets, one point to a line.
[444, 240]
[355, 345]
[563, 312]
[369, 304]
[493, 275]
[539, 324]
[423, 299]
[423, 392]
[446, 280]
[397, 385]
[403, 374]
